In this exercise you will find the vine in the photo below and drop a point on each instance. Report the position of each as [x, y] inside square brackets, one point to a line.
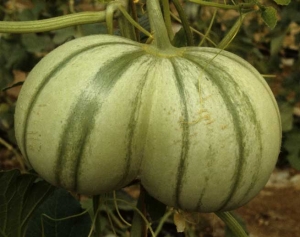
[54, 23]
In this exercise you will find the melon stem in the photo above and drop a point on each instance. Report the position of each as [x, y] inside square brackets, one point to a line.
[161, 38]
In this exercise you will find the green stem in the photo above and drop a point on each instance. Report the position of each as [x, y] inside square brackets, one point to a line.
[126, 28]
[17, 155]
[161, 39]
[232, 224]
[209, 28]
[117, 210]
[148, 225]
[133, 22]
[162, 221]
[194, 30]
[97, 199]
[116, 219]
[167, 17]
[109, 217]
[133, 11]
[109, 18]
[225, 6]
[139, 227]
[185, 23]
[53, 23]
[113, 11]
[231, 33]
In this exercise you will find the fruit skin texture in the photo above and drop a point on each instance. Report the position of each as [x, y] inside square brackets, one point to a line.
[198, 126]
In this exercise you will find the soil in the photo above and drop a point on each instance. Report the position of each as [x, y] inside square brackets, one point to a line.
[275, 212]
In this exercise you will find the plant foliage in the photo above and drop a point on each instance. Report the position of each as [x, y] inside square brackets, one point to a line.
[20, 195]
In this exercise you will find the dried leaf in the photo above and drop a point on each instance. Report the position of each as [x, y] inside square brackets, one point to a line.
[179, 221]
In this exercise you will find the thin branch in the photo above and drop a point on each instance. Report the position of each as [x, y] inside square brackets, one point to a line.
[167, 18]
[185, 23]
[225, 6]
[194, 30]
[15, 152]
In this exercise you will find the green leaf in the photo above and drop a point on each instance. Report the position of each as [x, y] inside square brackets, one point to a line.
[60, 216]
[20, 195]
[282, 2]
[290, 13]
[268, 14]
[180, 39]
[286, 113]
[87, 204]
[291, 144]
[34, 43]
[276, 44]
[27, 15]
[32, 14]
[93, 29]
[62, 35]
[12, 54]
[38, 7]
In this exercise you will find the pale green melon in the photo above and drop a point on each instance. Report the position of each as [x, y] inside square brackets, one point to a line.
[199, 126]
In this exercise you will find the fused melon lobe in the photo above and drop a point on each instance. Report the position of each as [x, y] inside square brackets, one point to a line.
[200, 128]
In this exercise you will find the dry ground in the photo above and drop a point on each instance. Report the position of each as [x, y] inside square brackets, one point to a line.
[275, 212]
